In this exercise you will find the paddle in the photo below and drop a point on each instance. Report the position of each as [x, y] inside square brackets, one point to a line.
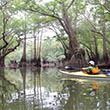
[106, 71]
[72, 68]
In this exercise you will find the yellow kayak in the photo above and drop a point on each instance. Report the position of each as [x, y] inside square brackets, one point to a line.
[82, 74]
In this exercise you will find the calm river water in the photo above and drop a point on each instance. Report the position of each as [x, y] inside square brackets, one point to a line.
[45, 89]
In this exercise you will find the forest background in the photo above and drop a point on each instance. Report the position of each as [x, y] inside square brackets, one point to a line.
[73, 31]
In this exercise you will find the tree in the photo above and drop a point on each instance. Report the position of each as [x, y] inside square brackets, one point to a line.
[24, 29]
[9, 39]
[101, 14]
[36, 28]
[60, 11]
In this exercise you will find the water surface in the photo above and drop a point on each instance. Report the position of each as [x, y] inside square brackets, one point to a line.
[44, 89]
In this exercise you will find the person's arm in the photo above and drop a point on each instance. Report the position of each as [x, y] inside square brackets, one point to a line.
[88, 68]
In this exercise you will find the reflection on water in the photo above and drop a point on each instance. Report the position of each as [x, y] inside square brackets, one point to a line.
[42, 89]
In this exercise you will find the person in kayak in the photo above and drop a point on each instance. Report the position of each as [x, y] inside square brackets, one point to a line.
[91, 69]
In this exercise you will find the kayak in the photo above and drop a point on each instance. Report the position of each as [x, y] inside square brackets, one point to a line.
[73, 79]
[82, 74]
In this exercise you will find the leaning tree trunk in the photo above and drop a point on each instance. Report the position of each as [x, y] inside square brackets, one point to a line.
[2, 62]
[2, 59]
[76, 55]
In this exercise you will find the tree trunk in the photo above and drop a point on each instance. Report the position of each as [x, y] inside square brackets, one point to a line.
[105, 54]
[37, 55]
[2, 62]
[33, 60]
[23, 59]
[76, 55]
[96, 50]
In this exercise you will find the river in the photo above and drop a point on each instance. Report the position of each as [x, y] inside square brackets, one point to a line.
[45, 89]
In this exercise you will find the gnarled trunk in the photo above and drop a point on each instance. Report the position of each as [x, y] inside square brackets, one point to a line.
[75, 55]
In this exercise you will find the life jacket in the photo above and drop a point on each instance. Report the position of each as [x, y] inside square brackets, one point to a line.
[95, 70]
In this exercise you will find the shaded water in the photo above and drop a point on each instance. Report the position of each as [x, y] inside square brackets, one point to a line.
[43, 89]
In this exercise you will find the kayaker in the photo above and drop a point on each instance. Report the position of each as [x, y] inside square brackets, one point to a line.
[91, 69]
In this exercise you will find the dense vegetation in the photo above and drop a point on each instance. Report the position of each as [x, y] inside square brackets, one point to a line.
[78, 30]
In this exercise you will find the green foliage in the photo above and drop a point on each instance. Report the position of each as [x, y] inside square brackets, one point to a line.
[52, 50]
[29, 16]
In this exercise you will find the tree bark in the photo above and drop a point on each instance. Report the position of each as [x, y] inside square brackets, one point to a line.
[76, 55]
[105, 54]
[23, 59]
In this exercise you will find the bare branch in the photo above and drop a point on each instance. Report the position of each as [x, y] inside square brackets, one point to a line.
[70, 4]
[101, 35]
[11, 49]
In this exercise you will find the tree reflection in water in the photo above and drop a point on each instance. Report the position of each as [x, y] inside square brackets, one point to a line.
[41, 89]
[87, 95]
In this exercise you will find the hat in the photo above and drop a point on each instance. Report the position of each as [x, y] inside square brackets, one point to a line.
[92, 62]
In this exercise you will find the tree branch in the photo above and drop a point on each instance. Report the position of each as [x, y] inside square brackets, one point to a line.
[11, 49]
[70, 4]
